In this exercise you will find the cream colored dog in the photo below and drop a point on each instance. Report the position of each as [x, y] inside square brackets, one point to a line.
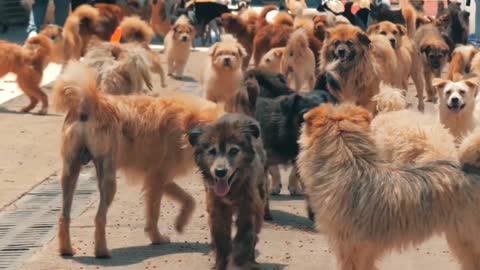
[271, 61]
[178, 43]
[223, 75]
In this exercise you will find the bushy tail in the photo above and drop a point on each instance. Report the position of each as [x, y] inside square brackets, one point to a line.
[87, 18]
[76, 89]
[390, 99]
[135, 29]
[461, 58]
[139, 64]
[468, 153]
[43, 48]
[410, 16]
[262, 20]
[283, 18]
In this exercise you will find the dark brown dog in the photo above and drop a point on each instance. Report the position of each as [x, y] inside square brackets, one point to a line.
[230, 156]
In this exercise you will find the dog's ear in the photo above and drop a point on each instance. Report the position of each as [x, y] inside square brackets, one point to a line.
[363, 38]
[401, 29]
[213, 49]
[194, 135]
[472, 83]
[358, 115]
[317, 117]
[289, 102]
[278, 53]
[193, 32]
[439, 84]
[373, 28]
[241, 51]
[253, 129]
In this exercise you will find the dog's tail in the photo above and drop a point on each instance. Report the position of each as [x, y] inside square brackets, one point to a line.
[262, 17]
[298, 39]
[468, 153]
[43, 48]
[390, 99]
[461, 58]
[410, 16]
[135, 29]
[76, 89]
[283, 18]
[138, 64]
[86, 17]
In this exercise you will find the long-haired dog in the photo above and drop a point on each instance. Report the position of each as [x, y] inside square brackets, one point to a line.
[178, 43]
[434, 54]
[461, 63]
[143, 137]
[223, 74]
[457, 102]
[271, 61]
[78, 30]
[368, 207]
[55, 34]
[28, 64]
[139, 34]
[109, 18]
[231, 159]
[298, 61]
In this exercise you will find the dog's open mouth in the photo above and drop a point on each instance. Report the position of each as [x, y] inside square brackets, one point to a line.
[456, 108]
[343, 58]
[222, 186]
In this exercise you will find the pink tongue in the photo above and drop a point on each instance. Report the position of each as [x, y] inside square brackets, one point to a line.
[221, 188]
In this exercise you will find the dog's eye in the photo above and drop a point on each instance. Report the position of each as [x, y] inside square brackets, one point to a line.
[395, 32]
[291, 54]
[267, 60]
[336, 43]
[383, 33]
[212, 152]
[448, 93]
[349, 43]
[462, 92]
[233, 151]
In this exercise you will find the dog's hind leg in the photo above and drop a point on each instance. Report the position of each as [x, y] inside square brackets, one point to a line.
[465, 248]
[294, 183]
[419, 85]
[154, 186]
[187, 202]
[106, 174]
[274, 172]
[352, 256]
[428, 86]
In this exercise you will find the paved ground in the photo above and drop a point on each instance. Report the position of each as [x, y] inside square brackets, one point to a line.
[30, 154]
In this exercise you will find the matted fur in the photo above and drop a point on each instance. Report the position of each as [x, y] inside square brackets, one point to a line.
[368, 207]
[143, 137]
[461, 63]
[28, 64]
[178, 43]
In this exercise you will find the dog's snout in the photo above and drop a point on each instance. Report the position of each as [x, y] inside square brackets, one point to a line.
[455, 100]
[342, 52]
[393, 42]
[227, 61]
[220, 172]
[184, 39]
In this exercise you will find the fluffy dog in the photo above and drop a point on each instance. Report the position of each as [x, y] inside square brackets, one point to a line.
[360, 212]
[55, 34]
[434, 54]
[142, 136]
[457, 105]
[298, 61]
[28, 64]
[231, 159]
[271, 61]
[178, 43]
[407, 57]
[109, 19]
[461, 64]
[223, 75]
[79, 29]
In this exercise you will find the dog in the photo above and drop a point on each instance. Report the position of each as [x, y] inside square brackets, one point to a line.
[271, 61]
[441, 197]
[178, 43]
[142, 136]
[457, 102]
[461, 63]
[109, 18]
[28, 64]
[138, 33]
[407, 16]
[434, 54]
[223, 75]
[453, 23]
[347, 51]
[298, 61]
[55, 34]
[160, 20]
[407, 57]
[231, 159]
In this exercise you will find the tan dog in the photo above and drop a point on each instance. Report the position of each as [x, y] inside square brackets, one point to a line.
[271, 61]
[178, 43]
[462, 62]
[142, 136]
[55, 34]
[298, 62]
[223, 75]
[457, 105]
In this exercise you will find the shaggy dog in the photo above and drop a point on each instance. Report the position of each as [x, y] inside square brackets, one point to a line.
[178, 43]
[457, 102]
[141, 136]
[434, 54]
[271, 61]
[109, 19]
[55, 34]
[298, 62]
[28, 64]
[349, 52]
[407, 57]
[368, 207]
[223, 75]
[462, 60]
[139, 34]
[453, 23]
[231, 159]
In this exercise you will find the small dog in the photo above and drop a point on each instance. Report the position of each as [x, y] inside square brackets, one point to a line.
[142, 136]
[361, 211]
[231, 159]
[55, 34]
[109, 18]
[462, 60]
[178, 43]
[28, 64]
[434, 54]
[457, 102]
[271, 61]
[453, 23]
[298, 62]
[223, 75]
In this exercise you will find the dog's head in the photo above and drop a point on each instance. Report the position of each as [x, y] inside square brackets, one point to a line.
[231, 22]
[271, 60]
[457, 96]
[393, 32]
[53, 32]
[227, 55]
[225, 151]
[347, 44]
[436, 52]
[183, 32]
[294, 107]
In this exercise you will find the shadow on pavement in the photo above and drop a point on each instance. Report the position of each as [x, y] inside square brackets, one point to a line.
[272, 266]
[33, 112]
[133, 255]
[290, 221]
[284, 197]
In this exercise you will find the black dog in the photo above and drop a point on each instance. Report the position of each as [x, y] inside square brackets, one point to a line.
[453, 23]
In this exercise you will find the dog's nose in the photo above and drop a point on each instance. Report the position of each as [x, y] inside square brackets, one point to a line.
[220, 173]
[393, 42]
[184, 39]
[226, 61]
[455, 101]
[341, 52]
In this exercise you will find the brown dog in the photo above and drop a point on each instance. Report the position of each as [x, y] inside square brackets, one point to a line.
[461, 64]
[28, 64]
[434, 54]
[142, 136]
[178, 43]
[55, 34]
[231, 159]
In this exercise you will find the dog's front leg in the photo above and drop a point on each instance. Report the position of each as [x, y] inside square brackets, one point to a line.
[220, 221]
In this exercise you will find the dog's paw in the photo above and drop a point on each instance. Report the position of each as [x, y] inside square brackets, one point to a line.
[295, 191]
[276, 190]
[160, 240]
[421, 106]
[67, 252]
[267, 217]
[103, 254]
